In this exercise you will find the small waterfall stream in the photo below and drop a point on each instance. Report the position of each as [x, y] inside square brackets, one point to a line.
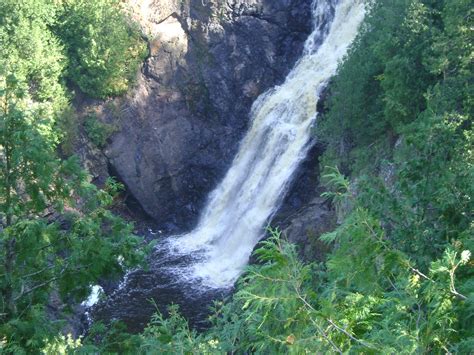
[195, 268]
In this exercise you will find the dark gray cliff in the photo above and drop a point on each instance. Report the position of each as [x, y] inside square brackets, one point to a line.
[181, 125]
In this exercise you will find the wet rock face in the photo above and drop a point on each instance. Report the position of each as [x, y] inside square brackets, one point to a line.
[304, 216]
[208, 61]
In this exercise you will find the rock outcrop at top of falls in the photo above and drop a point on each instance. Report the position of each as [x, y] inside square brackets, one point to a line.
[181, 125]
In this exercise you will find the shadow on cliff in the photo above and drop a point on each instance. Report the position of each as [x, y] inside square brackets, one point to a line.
[183, 123]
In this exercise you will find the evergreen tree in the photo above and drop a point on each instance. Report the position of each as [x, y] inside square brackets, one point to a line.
[57, 236]
[103, 47]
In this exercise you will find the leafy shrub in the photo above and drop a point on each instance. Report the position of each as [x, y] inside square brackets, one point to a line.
[97, 131]
[104, 48]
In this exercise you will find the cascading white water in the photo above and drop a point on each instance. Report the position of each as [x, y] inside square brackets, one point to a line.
[279, 137]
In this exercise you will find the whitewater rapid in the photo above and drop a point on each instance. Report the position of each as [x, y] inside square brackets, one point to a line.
[279, 137]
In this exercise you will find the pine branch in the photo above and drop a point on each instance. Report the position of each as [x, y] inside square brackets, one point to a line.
[46, 283]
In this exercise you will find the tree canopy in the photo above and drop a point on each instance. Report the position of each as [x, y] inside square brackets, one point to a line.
[57, 235]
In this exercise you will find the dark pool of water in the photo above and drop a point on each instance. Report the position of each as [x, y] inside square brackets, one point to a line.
[144, 291]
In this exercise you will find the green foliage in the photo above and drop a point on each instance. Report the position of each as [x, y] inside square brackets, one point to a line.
[103, 48]
[381, 85]
[61, 345]
[57, 235]
[163, 335]
[110, 339]
[97, 131]
[339, 186]
[272, 305]
[418, 51]
[67, 126]
[408, 215]
[169, 335]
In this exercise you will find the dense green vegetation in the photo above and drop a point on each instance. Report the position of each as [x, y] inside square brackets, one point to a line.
[400, 277]
[97, 131]
[103, 49]
[399, 172]
[57, 235]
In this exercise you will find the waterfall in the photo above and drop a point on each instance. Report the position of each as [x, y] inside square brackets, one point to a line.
[278, 140]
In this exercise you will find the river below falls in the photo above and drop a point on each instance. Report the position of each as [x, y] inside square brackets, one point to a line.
[142, 292]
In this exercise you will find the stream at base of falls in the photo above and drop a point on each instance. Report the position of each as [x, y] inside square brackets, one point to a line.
[142, 292]
[192, 270]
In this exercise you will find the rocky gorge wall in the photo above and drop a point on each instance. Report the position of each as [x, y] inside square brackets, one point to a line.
[179, 128]
[208, 61]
